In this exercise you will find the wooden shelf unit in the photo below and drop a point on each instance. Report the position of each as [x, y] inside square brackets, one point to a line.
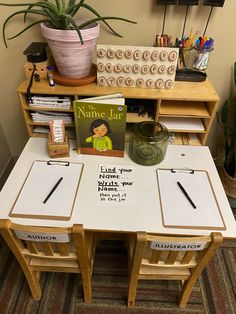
[186, 101]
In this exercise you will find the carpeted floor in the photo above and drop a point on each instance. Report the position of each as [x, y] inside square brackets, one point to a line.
[215, 292]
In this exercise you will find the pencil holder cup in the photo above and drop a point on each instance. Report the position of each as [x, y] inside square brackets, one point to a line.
[188, 54]
[148, 143]
[201, 58]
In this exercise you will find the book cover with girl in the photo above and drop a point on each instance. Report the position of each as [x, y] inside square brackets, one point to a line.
[100, 125]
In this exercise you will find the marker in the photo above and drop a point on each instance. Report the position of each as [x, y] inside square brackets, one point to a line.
[53, 189]
[50, 75]
[186, 194]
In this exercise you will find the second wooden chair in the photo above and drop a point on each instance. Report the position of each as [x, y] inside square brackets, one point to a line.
[169, 258]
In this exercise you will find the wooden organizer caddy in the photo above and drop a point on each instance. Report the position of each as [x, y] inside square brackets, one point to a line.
[58, 149]
[187, 102]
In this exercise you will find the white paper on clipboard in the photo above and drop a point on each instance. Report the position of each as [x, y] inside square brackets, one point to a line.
[177, 211]
[41, 178]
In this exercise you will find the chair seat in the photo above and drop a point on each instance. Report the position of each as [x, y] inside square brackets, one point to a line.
[52, 265]
[167, 273]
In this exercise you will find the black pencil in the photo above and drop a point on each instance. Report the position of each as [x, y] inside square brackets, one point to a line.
[186, 194]
[52, 190]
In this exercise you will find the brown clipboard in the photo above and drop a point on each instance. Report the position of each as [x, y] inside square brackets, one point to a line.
[39, 182]
[177, 211]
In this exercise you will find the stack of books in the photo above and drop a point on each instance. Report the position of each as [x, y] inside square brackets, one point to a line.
[46, 116]
[57, 102]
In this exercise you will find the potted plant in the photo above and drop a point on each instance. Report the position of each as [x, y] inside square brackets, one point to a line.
[227, 119]
[62, 29]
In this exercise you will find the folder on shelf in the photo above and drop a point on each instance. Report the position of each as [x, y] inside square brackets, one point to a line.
[184, 124]
[40, 183]
[177, 203]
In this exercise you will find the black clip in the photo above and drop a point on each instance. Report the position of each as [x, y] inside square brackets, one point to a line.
[58, 163]
[190, 171]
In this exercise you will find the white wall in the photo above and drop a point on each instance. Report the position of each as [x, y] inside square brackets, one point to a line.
[5, 154]
[149, 17]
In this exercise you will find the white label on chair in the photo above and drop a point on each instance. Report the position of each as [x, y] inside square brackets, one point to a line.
[42, 237]
[180, 246]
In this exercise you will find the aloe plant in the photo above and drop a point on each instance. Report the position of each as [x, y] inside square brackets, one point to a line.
[227, 119]
[60, 14]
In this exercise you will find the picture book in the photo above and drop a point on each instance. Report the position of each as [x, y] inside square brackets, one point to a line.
[100, 125]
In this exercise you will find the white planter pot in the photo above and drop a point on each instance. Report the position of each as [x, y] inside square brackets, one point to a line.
[72, 59]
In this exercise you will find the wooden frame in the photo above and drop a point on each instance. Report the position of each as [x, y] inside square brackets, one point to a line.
[183, 264]
[186, 100]
[75, 256]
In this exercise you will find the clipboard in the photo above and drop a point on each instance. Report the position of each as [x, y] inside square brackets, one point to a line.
[177, 210]
[40, 181]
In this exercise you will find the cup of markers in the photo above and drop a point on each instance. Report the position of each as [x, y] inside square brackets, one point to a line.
[203, 47]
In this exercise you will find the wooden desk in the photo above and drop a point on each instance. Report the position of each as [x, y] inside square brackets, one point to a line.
[146, 215]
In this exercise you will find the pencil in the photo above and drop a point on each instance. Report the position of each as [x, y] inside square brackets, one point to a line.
[186, 194]
[52, 190]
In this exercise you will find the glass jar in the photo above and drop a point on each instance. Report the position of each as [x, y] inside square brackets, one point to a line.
[188, 57]
[148, 143]
[201, 58]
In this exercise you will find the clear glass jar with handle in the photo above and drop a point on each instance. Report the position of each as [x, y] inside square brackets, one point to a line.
[148, 143]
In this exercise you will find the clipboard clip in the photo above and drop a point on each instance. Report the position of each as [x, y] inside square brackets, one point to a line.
[190, 171]
[58, 163]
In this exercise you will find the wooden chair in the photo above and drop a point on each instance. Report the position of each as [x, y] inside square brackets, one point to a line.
[169, 258]
[49, 249]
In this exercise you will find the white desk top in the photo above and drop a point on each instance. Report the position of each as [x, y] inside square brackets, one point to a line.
[146, 215]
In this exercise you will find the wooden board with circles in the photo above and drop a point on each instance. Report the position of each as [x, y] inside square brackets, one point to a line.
[135, 66]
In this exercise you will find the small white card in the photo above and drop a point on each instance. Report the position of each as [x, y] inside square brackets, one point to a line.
[42, 237]
[115, 185]
[180, 246]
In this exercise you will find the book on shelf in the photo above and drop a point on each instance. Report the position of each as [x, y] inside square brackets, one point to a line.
[57, 102]
[185, 124]
[46, 116]
[100, 125]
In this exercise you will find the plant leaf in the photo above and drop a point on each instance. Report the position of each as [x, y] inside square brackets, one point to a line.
[230, 158]
[29, 26]
[235, 74]
[88, 7]
[16, 4]
[72, 22]
[11, 16]
[81, 26]
[59, 6]
[50, 6]
[73, 9]
[53, 19]
[72, 2]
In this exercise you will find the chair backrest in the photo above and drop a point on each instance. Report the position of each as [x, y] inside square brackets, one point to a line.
[48, 245]
[176, 252]
[170, 258]
[52, 250]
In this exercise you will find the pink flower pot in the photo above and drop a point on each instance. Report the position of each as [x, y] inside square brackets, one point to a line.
[71, 57]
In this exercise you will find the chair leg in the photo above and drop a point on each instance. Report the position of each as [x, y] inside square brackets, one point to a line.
[186, 291]
[133, 283]
[87, 288]
[134, 266]
[32, 278]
